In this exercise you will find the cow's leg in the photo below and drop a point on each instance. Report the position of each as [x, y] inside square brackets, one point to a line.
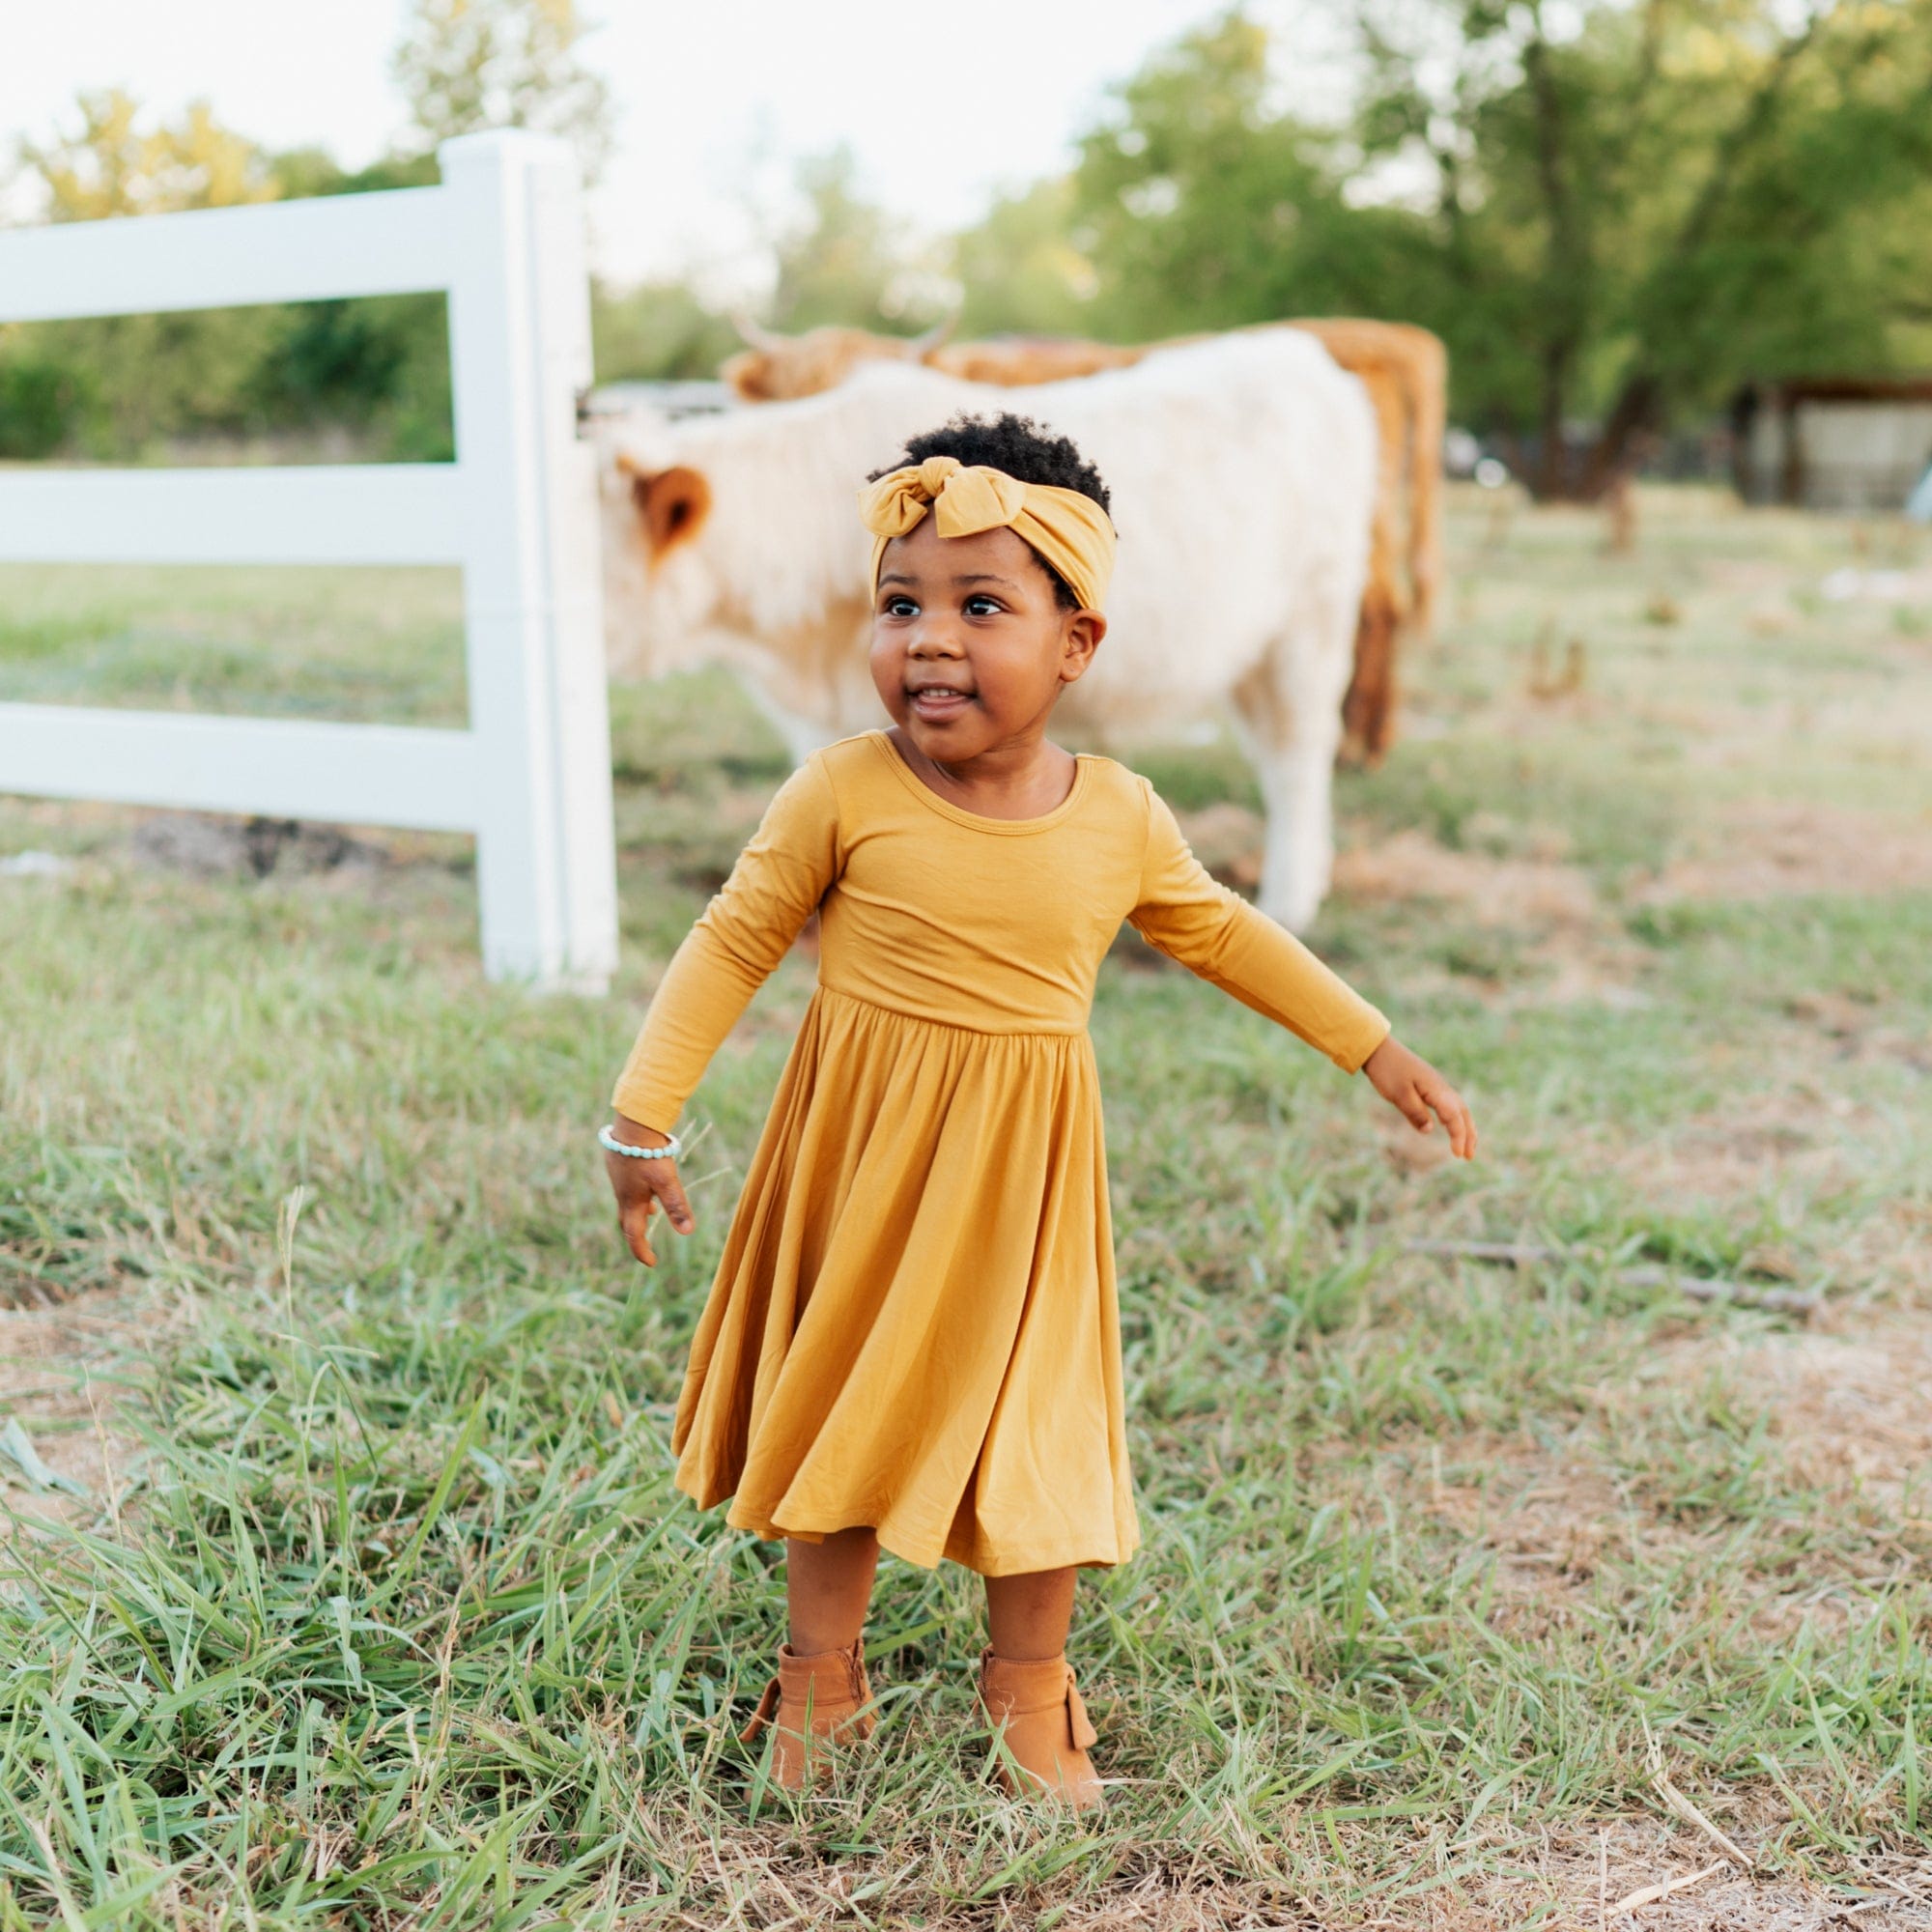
[1368, 710]
[1288, 718]
[802, 735]
[812, 681]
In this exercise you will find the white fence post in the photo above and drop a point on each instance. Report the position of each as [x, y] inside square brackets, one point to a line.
[519, 353]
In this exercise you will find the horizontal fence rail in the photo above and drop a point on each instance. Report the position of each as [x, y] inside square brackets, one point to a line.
[326, 513]
[517, 511]
[391, 244]
[426, 781]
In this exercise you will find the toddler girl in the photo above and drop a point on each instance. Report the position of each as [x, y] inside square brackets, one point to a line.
[912, 1342]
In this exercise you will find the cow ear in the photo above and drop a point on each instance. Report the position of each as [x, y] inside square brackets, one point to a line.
[672, 505]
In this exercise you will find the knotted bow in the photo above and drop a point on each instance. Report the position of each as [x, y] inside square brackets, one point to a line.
[1068, 529]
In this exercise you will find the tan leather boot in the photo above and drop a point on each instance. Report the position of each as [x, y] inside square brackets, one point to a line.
[1037, 1709]
[817, 1702]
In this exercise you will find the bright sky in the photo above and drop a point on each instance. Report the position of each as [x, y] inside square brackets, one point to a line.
[716, 98]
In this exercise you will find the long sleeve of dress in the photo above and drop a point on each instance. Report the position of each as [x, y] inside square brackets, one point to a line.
[1190, 916]
[739, 938]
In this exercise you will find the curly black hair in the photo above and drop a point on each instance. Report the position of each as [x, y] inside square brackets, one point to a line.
[1022, 448]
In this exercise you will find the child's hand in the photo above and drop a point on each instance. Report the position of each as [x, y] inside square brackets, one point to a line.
[1415, 1090]
[641, 1184]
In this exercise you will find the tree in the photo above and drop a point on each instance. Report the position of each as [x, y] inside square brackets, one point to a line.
[468, 64]
[115, 384]
[1202, 206]
[1022, 269]
[112, 167]
[1615, 211]
[845, 260]
[657, 331]
[1659, 202]
[376, 367]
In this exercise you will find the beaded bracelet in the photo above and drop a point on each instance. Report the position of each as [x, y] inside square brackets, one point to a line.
[611, 1144]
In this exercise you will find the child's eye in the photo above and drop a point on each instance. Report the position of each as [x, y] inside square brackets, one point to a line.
[901, 607]
[982, 606]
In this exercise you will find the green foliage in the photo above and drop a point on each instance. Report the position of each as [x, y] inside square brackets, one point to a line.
[112, 165]
[657, 331]
[1621, 214]
[1020, 268]
[123, 388]
[1613, 213]
[372, 373]
[42, 400]
[844, 260]
[1627, 219]
[468, 64]
[1204, 207]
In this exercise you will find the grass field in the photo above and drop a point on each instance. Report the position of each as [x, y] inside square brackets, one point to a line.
[361, 1597]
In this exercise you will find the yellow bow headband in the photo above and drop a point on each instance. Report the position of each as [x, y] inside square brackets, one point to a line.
[1069, 530]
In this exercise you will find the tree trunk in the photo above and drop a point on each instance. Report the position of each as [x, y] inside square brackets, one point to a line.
[1566, 259]
[1553, 467]
[1640, 402]
[1633, 412]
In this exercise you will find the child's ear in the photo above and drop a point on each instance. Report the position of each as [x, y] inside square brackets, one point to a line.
[1078, 642]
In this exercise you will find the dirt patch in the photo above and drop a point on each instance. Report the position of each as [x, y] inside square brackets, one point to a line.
[1492, 890]
[1605, 1876]
[66, 1376]
[1546, 1517]
[1581, 1878]
[1229, 840]
[1767, 850]
[1792, 1136]
[1850, 1410]
[1578, 953]
[212, 847]
[1535, 892]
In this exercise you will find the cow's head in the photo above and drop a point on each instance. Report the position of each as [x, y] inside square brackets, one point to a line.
[658, 590]
[775, 368]
[734, 539]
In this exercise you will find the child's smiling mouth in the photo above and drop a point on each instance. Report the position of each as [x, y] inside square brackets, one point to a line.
[936, 702]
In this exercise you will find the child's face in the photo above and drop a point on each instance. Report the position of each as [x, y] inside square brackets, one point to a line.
[971, 646]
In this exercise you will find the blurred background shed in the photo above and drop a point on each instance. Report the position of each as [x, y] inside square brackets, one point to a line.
[1833, 442]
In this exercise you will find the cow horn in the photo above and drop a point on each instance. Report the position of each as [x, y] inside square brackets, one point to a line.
[935, 337]
[756, 337]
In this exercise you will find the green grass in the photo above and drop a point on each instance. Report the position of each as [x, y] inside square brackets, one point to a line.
[370, 643]
[396, 1618]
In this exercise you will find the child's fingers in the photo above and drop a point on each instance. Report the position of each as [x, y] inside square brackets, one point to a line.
[635, 1218]
[1413, 1105]
[1455, 1116]
[670, 1191]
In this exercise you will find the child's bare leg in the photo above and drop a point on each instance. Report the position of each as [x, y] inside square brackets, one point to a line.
[828, 1587]
[1027, 1616]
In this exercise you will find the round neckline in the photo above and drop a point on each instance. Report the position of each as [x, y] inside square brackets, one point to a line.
[978, 821]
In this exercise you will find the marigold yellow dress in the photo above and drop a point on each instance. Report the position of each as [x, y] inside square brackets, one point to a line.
[913, 1324]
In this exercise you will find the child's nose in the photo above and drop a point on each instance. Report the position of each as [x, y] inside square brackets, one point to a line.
[931, 637]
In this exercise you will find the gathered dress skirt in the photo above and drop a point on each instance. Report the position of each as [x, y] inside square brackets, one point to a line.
[914, 1326]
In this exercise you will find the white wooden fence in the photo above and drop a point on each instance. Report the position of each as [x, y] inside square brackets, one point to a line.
[504, 236]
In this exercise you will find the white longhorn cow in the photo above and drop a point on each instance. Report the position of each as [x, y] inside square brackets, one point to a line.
[1243, 478]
